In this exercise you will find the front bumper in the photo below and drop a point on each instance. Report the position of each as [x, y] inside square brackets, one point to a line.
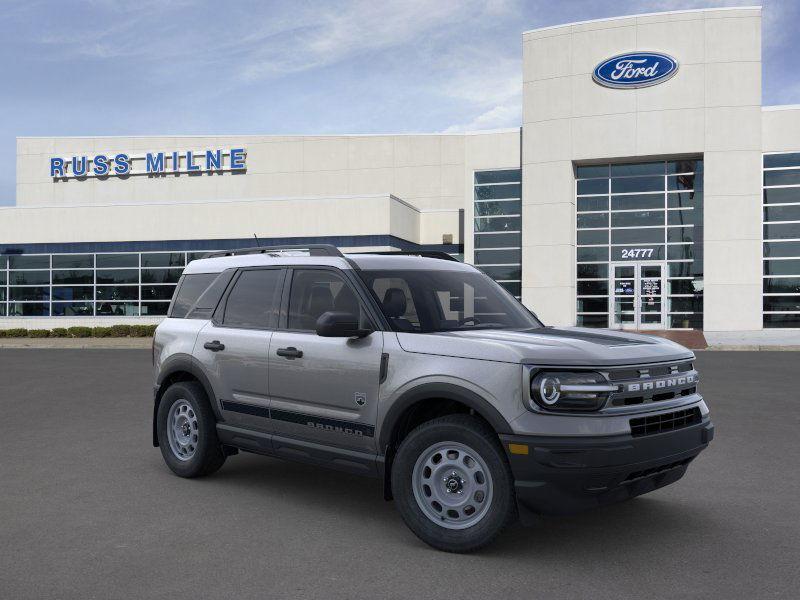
[563, 475]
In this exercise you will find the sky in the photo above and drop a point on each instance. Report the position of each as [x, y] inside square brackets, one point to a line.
[162, 67]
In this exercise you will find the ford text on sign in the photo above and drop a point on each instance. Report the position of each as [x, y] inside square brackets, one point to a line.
[635, 70]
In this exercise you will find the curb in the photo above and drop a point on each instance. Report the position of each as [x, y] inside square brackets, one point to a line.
[753, 348]
[77, 343]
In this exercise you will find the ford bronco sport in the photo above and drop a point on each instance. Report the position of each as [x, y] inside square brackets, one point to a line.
[424, 373]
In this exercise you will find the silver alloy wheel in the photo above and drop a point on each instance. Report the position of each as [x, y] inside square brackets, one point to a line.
[452, 485]
[182, 430]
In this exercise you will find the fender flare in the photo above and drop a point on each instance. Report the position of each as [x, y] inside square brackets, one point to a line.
[447, 391]
[175, 364]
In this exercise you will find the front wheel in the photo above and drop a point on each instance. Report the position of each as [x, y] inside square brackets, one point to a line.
[187, 432]
[452, 483]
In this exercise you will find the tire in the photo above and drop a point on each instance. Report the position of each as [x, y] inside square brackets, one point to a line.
[470, 477]
[194, 449]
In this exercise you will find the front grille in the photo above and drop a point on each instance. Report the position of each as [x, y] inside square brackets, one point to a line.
[665, 422]
[652, 371]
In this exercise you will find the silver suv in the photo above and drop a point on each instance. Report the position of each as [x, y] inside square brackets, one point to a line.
[424, 373]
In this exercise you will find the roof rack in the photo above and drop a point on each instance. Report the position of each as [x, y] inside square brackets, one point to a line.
[423, 253]
[313, 250]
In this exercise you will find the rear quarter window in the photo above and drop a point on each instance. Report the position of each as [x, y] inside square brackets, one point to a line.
[189, 290]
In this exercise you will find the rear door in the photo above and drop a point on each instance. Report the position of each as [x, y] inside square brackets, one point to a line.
[324, 389]
[233, 348]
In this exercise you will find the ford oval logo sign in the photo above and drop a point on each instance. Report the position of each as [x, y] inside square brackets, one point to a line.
[635, 70]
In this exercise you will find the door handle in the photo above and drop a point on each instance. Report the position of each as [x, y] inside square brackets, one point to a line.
[214, 346]
[290, 352]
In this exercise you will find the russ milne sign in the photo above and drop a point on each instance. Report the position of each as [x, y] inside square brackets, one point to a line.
[151, 163]
[635, 70]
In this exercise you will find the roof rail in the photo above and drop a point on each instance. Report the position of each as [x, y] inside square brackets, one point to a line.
[313, 250]
[423, 253]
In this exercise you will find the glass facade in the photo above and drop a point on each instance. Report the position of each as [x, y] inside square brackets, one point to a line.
[646, 212]
[116, 284]
[498, 226]
[781, 299]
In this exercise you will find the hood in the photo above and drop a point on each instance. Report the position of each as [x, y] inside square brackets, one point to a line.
[548, 346]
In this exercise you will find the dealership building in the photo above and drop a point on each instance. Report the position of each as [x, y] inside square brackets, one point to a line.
[646, 188]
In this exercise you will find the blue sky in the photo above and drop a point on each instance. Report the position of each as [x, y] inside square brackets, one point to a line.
[152, 67]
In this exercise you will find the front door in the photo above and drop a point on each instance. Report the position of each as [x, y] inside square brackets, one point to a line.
[636, 299]
[324, 390]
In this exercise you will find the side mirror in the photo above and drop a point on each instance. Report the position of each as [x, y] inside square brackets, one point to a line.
[340, 324]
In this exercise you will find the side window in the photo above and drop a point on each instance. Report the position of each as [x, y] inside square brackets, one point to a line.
[253, 302]
[315, 292]
[398, 303]
[189, 290]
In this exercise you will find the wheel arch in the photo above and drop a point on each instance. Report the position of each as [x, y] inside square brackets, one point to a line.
[180, 367]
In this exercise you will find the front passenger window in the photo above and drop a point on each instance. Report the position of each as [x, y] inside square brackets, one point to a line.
[315, 292]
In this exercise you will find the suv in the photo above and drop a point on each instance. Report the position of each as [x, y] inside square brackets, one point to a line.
[422, 372]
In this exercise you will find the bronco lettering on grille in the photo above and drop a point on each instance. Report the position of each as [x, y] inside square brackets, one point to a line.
[659, 384]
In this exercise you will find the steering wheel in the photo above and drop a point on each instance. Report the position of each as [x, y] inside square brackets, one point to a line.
[466, 320]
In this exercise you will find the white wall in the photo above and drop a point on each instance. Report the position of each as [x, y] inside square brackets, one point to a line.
[712, 106]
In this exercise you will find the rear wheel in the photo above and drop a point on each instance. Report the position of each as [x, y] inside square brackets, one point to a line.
[452, 483]
[187, 433]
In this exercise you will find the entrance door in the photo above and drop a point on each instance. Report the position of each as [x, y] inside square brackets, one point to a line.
[636, 298]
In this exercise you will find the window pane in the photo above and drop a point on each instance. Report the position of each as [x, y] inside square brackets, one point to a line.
[789, 177]
[73, 293]
[681, 269]
[316, 292]
[161, 275]
[588, 171]
[118, 276]
[483, 209]
[163, 259]
[592, 236]
[157, 292]
[637, 202]
[782, 285]
[782, 303]
[651, 168]
[514, 288]
[585, 204]
[593, 186]
[684, 166]
[782, 321]
[685, 200]
[694, 321]
[29, 277]
[23, 261]
[498, 176]
[152, 309]
[592, 321]
[637, 236]
[28, 309]
[782, 195]
[117, 309]
[29, 293]
[680, 234]
[592, 271]
[684, 182]
[253, 301]
[73, 261]
[694, 304]
[497, 257]
[637, 184]
[782, 231]
[117, 292]
[680, 252]
[498, 224]
[73, 309]
[782, 249]
[592, 288]
[191, 288]
[190, 256]
[684, 217]
[685, 286]
[782, 160]
[782, 267]
[593, 305]
[637, 219]
[73, 276]
[782, 213]
[593, 220]
[117, 260]
[498, 273]
[592, 254]
[498, 240]
[3, 262]
[494, 192]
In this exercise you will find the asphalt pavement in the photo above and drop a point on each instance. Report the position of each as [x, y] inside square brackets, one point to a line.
[89, 510]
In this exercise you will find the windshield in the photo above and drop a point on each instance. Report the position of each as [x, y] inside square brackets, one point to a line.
[431, 301]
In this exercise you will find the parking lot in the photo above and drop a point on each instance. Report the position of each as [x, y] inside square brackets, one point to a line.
[88, 509]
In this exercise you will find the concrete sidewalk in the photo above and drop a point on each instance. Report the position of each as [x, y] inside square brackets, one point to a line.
[73, 343]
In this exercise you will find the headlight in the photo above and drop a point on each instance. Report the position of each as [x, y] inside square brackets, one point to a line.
[565, 390]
